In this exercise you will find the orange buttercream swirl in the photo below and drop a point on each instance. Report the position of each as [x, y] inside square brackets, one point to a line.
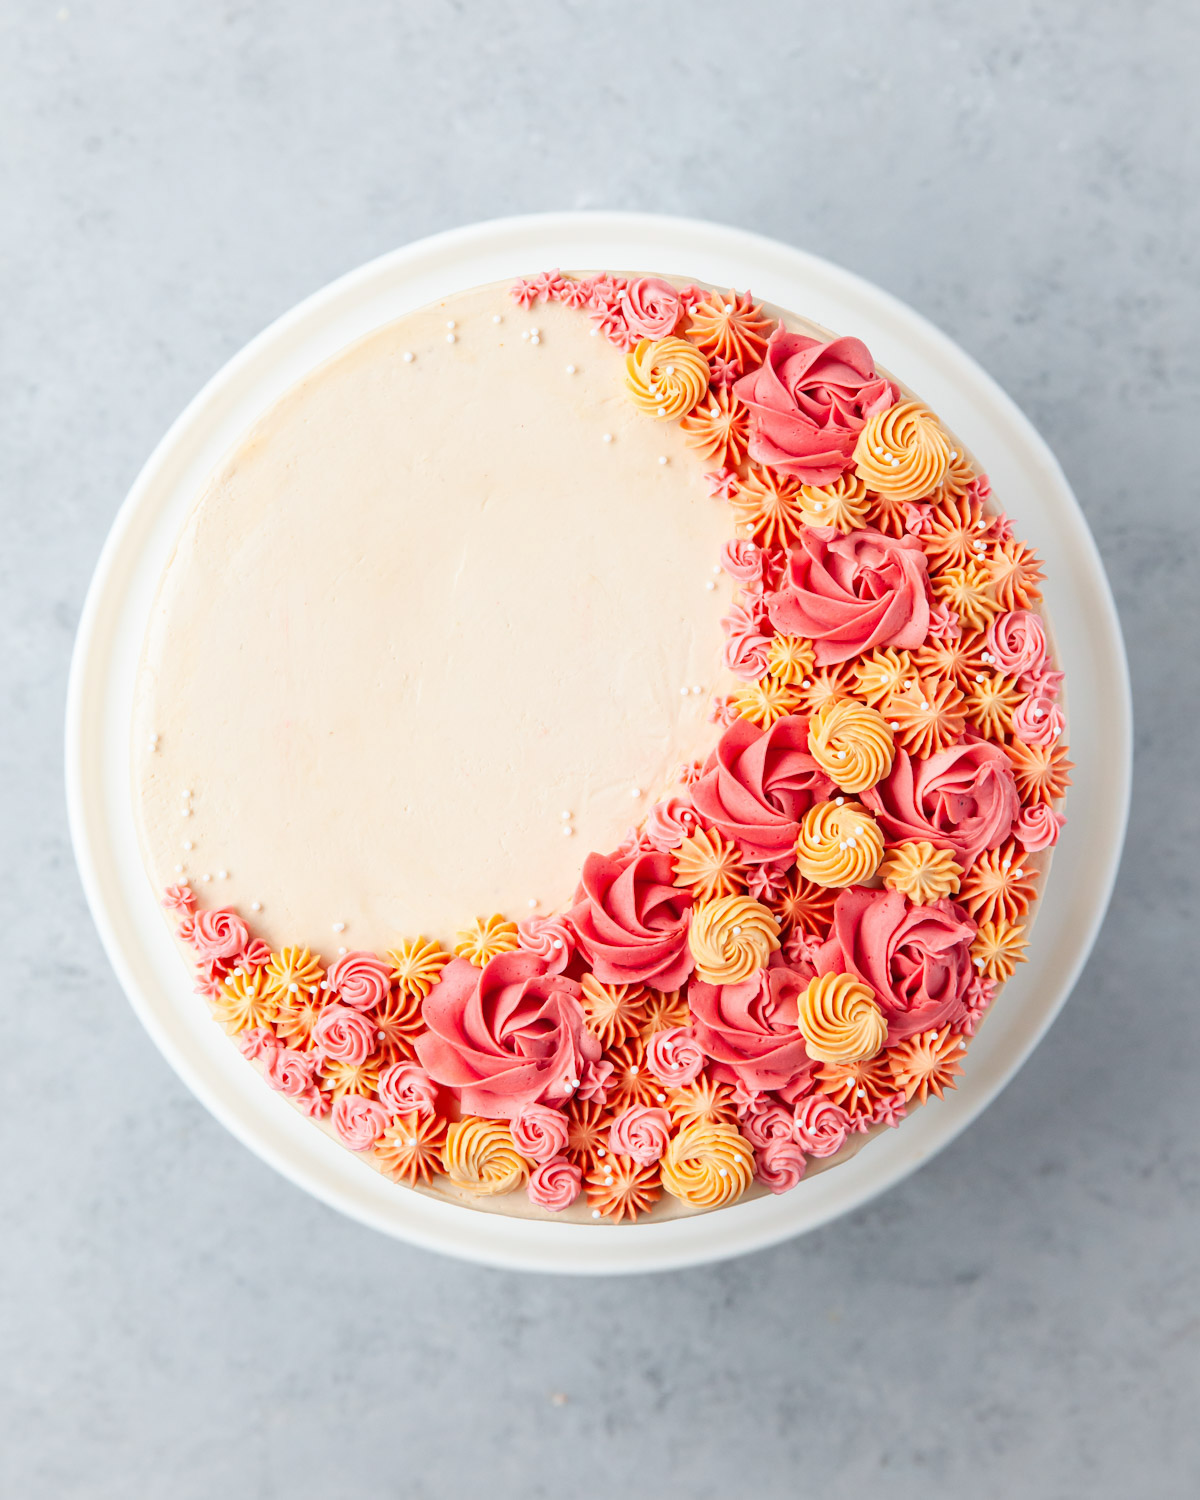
[708, 1165]
[731, 938]
[842, 504]
[840, 1020]
[245, 1002]
[485, 938]
[768, 507]
[417, 965]
[851, 743]
[292, 971]
[927, 716]
[731, 326]
[666, 377]
[719, 429]
[711, 864]
[903, 452]
[790, 659]
[922, 871]
[479, 1155]
[998, 948]
[839, 844]
[881, 674]
[967, 591]
[410, 1149]
[765, 701]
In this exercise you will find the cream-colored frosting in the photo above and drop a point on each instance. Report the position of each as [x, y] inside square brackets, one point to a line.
[422, 610]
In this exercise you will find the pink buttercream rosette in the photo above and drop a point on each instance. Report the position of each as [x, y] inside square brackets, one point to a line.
[963, 799]
[631, 921]
[507, 1035]
[851, 594]
[749, 1030]
[808, 401]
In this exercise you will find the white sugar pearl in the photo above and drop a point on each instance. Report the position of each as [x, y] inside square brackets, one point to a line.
[595, 1211]
[607, 438]
[408, 357]
[187, 843]
[339, 927]
[724, 1171]
[185, 812]
[496, 318]
[179, 869]
[532, 902]
[556, 943]
[635, 792]
[450, 337]
[533, 332]
[683, 692]
[256, 906]
[633, 1070]
[600, 1151]
[709, 584]
[839, 801]
[660, 1098]
[696, 689]
[341, 951]
[567, 830]
[450, 323]
[534, 338]
[737, 931]
[662, 458]
[206, 878]
[222, 874]
[570, 369]
[525, 333]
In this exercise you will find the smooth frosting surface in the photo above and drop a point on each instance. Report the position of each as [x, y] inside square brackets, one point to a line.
[423, 610]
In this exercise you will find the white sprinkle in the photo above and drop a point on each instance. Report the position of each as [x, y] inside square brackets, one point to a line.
[807, 683]
[533, 332]
[717, 569]
[662, 411]
[408, 358]
[683, 692]
[841, 754]
[206, 878]
[709, 584]
[696, 689]
[534, 338]
[600, 1151]
[222, 874]
[185, 812]
[924, 705]
[450, 337]
[525, 333]
[567, 830]
[341, 951]
[724, 1171]
[661, 1098]
[187, 843]
[293, 988]
[953, 454]
[185, 793]
[496, 318]
[737, 931]
[1018, 873]
[839, 801]
[895, 463]
[256, 906]
[635, 792]
[607, 438]
[670, 370]
[595, 1211]
[564, 815]
[894, 725]
[980, 676]
[556, 943]
[179, 869]
[633, 1070]
[570, 369]
[662, 458]
[593, 331]
[450, 323]
[979, 963]
[532, 902]
[339, 927]
[154, 742]
[686, 817]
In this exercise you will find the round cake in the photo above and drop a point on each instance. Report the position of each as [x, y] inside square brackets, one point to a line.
[599, 746]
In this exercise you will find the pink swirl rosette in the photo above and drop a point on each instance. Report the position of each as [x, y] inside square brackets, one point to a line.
[360, 980]
[747, 649]
[344, 1035]
[509, 1034]
[963, 799]
[850, 594]
[750, 1030]
[219, 935]
[548, 938]
[768, 1124]
[404, 1087]
[641, 1132]
[758, 784]
[292, 1074]
[538, 1132]
[779, 1165]
[669, 822]
[917, 959]
[631, 921]
[750, 567]
[1038, 720]
[674, 1057]
[1038, 828]
[555, 1184]
[651, 307]
[358, 1122]
[1016, 642]
[808, 401]
[820, 1125]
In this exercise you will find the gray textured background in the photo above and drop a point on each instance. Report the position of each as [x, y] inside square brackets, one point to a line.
[1019, 1319]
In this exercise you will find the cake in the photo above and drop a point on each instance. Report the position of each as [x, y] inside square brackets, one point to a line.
[599, 747]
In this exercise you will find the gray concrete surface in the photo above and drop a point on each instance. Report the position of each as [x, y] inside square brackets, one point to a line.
[1022, 1318]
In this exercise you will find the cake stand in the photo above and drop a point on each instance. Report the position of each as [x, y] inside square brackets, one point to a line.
[1024, 474]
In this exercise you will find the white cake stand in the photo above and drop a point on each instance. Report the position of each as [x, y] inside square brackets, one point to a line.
[1026, 478]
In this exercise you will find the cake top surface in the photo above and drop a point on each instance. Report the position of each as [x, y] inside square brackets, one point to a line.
[431, 614]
